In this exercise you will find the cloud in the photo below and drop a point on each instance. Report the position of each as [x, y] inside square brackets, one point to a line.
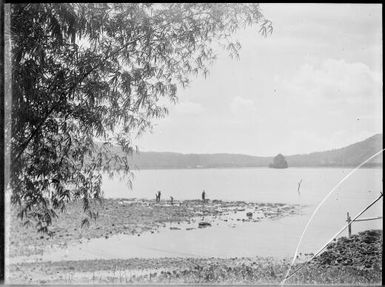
[329, 103]
[314, 84]
[335, 81]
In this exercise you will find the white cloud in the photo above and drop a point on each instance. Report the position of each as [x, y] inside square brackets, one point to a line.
[335, 81]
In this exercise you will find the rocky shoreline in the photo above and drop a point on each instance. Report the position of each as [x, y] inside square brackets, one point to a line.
[256, 270]
[355, 260]
[363, 251]
[134, 217]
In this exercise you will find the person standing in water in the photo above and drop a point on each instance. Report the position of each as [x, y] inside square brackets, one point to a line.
[158, 196]
[171, 200]
[203, 196]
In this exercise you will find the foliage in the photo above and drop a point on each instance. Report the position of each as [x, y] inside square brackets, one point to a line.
[279, 161]
[87, 71]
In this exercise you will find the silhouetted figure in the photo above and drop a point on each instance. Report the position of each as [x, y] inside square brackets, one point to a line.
[171, 200]
[203, 196]
[158, 196]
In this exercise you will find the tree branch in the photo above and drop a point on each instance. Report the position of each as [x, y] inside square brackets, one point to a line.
[33, 134]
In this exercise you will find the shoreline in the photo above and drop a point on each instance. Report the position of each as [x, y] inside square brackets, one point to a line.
[346, 261]
[355, 260]
[259, 167]
[136, 216]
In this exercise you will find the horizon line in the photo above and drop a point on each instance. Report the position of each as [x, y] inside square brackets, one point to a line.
[263, 156]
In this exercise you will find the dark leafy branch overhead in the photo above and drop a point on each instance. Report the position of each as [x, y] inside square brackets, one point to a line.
[85, 72]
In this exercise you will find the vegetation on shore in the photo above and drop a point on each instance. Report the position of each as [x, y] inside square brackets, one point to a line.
[355, 260]
[363, 251]
[363, 247]
[279, 161]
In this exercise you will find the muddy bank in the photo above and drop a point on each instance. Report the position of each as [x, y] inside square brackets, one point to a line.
[331, 267]
[256, 270]
[136, 216]
[162, 270]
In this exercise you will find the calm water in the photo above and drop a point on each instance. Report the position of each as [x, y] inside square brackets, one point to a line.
[249, 184]
[277, 238]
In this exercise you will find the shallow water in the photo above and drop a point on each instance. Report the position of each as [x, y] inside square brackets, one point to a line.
[268, 237]
[264, 185]
[247, 184]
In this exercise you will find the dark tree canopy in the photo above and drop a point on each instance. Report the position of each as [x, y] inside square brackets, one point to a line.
[279, 161]
[82, 72]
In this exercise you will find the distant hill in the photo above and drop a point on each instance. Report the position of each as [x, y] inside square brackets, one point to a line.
[156, 160]
[351, 155]
[348, 156]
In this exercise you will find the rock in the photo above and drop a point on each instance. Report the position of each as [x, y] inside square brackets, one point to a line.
[360, 251]
[203, 224]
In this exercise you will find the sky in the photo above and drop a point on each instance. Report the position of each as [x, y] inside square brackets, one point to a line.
[315, 84]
